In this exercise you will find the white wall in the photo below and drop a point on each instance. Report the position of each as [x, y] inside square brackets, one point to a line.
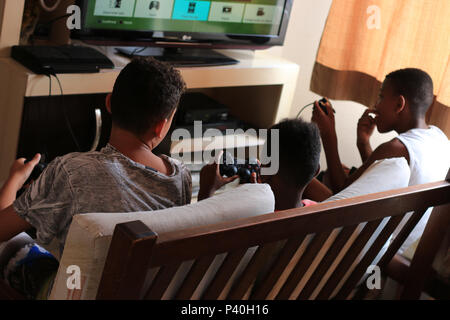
[302, 41]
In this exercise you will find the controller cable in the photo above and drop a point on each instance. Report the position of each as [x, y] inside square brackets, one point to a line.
[301, 110]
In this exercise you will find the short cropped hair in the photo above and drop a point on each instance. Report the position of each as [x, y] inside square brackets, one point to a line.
[145, 92]
[416, 86]
[299, 151]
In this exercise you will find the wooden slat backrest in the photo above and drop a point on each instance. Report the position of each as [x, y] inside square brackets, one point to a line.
[421, 264]
[301, 267]
[233, 238]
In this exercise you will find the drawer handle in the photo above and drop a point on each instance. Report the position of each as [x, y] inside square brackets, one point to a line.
[98, 129]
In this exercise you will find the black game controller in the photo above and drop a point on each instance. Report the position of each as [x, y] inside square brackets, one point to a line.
[37, 170]
[322, 102]
[243, 169]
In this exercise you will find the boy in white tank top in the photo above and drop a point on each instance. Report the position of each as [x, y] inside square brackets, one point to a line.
[404, 99]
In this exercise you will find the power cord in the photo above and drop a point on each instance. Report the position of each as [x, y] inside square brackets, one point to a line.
[50, 73]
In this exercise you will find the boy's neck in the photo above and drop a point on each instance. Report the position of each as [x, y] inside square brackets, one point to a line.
[288, 200]
[133, 147]
[413, 123]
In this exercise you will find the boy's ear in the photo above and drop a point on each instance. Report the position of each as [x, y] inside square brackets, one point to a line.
[159, 128]
[318, 171]
[108, 102]
[401, 103]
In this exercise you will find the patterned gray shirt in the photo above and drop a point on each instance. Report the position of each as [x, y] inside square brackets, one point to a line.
[103, 181]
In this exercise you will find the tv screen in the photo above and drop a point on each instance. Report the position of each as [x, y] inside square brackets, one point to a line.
[223, 23]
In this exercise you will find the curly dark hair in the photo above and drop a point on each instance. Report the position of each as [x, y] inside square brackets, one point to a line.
[145, 92]
[299, 151]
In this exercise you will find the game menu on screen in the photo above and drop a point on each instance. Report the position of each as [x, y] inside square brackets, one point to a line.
[169, 15]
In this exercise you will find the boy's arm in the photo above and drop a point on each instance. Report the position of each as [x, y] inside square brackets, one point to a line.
[11, 224]
[391, 149]
[317, 191]
[8, 194]
[19, 173]
[366, 125]
[326, 124]
[338, 178]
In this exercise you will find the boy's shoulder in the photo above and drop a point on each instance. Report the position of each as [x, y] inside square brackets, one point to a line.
[75, 160]
[179, 166]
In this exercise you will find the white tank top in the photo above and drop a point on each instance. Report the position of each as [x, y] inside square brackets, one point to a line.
[429, 154]
[429, 161]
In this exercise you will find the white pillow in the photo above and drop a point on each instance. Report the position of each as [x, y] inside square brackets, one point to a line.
[90, 234]
[382, 175]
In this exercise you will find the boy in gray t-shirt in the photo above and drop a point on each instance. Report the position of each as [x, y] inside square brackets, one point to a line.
[124, 176]
[104, 181]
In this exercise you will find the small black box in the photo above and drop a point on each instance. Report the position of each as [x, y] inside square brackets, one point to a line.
[198, 106]
[61, 59]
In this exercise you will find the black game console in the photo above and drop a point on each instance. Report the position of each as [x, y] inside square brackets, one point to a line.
[198, 106]
[61, 59]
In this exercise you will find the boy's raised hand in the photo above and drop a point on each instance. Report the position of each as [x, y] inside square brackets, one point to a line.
[21, 170]
[211, 180]
[325, 122]
[366, 125]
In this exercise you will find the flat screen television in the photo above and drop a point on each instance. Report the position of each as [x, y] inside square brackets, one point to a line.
[184, 30]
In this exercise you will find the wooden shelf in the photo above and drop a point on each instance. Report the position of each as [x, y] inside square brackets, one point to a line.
[259, 90]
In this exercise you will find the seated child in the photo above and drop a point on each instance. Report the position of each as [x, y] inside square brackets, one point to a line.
[299, 155]
[404, 99]
[403, 102]
[124, 176]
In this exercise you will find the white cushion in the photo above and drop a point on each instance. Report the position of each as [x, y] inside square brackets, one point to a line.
[90, 234]
[382, 175]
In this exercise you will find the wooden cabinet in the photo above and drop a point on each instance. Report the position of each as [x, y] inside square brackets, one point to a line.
[258, 90]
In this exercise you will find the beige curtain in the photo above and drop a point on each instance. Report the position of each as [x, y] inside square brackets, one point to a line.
[364, 40]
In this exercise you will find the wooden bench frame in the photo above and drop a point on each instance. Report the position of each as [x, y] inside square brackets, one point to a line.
[135, 249]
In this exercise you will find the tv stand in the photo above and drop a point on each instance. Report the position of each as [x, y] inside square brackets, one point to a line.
[259, 90]
[181, 57]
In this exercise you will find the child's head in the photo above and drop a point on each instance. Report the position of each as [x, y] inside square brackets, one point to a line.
[405, 93]
[145, 93]
[299, 155]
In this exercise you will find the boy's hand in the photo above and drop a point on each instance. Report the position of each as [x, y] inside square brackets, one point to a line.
[20, 171]
[211, 180]
[366, 125]
[325, 122]
[256, 177]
